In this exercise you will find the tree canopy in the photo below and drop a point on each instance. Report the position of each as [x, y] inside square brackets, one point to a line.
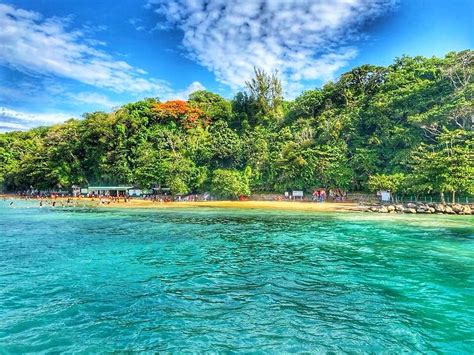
[407, 127]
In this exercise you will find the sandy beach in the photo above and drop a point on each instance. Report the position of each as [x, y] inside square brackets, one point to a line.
[270, 205]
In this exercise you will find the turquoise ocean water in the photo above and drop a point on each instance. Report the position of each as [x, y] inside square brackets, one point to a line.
[88, 280]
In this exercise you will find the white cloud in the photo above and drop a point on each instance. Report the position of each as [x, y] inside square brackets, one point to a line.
[18, 120]
[94, 99]
[137, 24]
[303, 40]
[37, 45]
[13, 120]
[46, 49]
[8, 126]
[184, 95]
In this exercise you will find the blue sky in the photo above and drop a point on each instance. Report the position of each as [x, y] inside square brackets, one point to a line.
[60, 58]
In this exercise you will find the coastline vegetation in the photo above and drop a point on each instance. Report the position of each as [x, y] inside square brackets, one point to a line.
[407, 128]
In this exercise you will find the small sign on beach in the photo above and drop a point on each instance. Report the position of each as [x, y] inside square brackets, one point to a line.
[297, 194]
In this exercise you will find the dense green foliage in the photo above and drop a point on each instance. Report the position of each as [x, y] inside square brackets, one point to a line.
[230, 183]
[407, 127]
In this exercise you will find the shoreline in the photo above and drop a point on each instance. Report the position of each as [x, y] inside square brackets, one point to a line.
[350, 210]
[246, 205]
[296, 206]
[225, 204]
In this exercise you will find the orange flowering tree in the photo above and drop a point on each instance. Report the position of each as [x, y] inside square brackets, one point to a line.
[180, 112]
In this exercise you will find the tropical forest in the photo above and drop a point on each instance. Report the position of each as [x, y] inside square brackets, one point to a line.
[407, 127]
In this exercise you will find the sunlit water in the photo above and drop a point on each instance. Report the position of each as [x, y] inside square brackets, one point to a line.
[221, 280]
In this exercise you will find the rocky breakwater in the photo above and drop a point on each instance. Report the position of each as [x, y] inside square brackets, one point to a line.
[422, 208]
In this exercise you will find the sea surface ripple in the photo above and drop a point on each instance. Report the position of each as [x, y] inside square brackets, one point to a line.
[90, 280]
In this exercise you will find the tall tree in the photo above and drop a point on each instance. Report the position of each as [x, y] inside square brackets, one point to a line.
[267, 93]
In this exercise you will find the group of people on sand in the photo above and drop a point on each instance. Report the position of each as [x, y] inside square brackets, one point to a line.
[53, 199]
[157, 198]
[179, 198]
[319, 195]
[107, 200]
[38, 196]
[336, 195]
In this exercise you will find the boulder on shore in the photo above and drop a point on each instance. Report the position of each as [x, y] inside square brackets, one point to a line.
[421, 208]
[449, 210]
[439, 207]
[467, 209]
[457, 208]
[399, 208]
